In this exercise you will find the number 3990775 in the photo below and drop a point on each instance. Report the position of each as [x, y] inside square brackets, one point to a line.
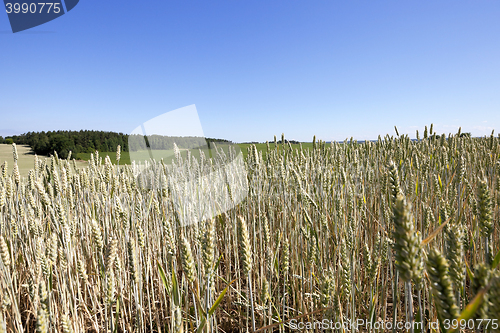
[33, 8]
[470, 324]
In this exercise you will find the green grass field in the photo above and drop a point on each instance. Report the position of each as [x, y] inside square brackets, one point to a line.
[263, 147]
[168, 154]
[125, 157]
[26, 155]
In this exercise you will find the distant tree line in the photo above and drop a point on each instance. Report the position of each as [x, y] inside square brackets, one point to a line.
[6, 140]
[293, 142]
[210, 140]
[84, 141]
[45, 143]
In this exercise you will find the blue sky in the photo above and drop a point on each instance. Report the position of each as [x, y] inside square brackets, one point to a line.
[255, 69]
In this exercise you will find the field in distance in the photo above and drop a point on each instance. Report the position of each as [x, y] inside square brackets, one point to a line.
[26, 160]
[27, 157]
[125, 156]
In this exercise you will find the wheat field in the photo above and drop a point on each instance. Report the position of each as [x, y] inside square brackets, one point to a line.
[390, 231]
[26, 158]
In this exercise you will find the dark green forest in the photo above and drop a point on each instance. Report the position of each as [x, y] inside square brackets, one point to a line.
[45, 143]
[84, 141]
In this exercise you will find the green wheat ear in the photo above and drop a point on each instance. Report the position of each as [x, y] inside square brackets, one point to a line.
[485, 209]
[188, 264]
[485, 218]
[481, 279]
[132, 261]
[394, 181]
[454, 252]
[406, 241]
[437, 269]
[245, 247]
